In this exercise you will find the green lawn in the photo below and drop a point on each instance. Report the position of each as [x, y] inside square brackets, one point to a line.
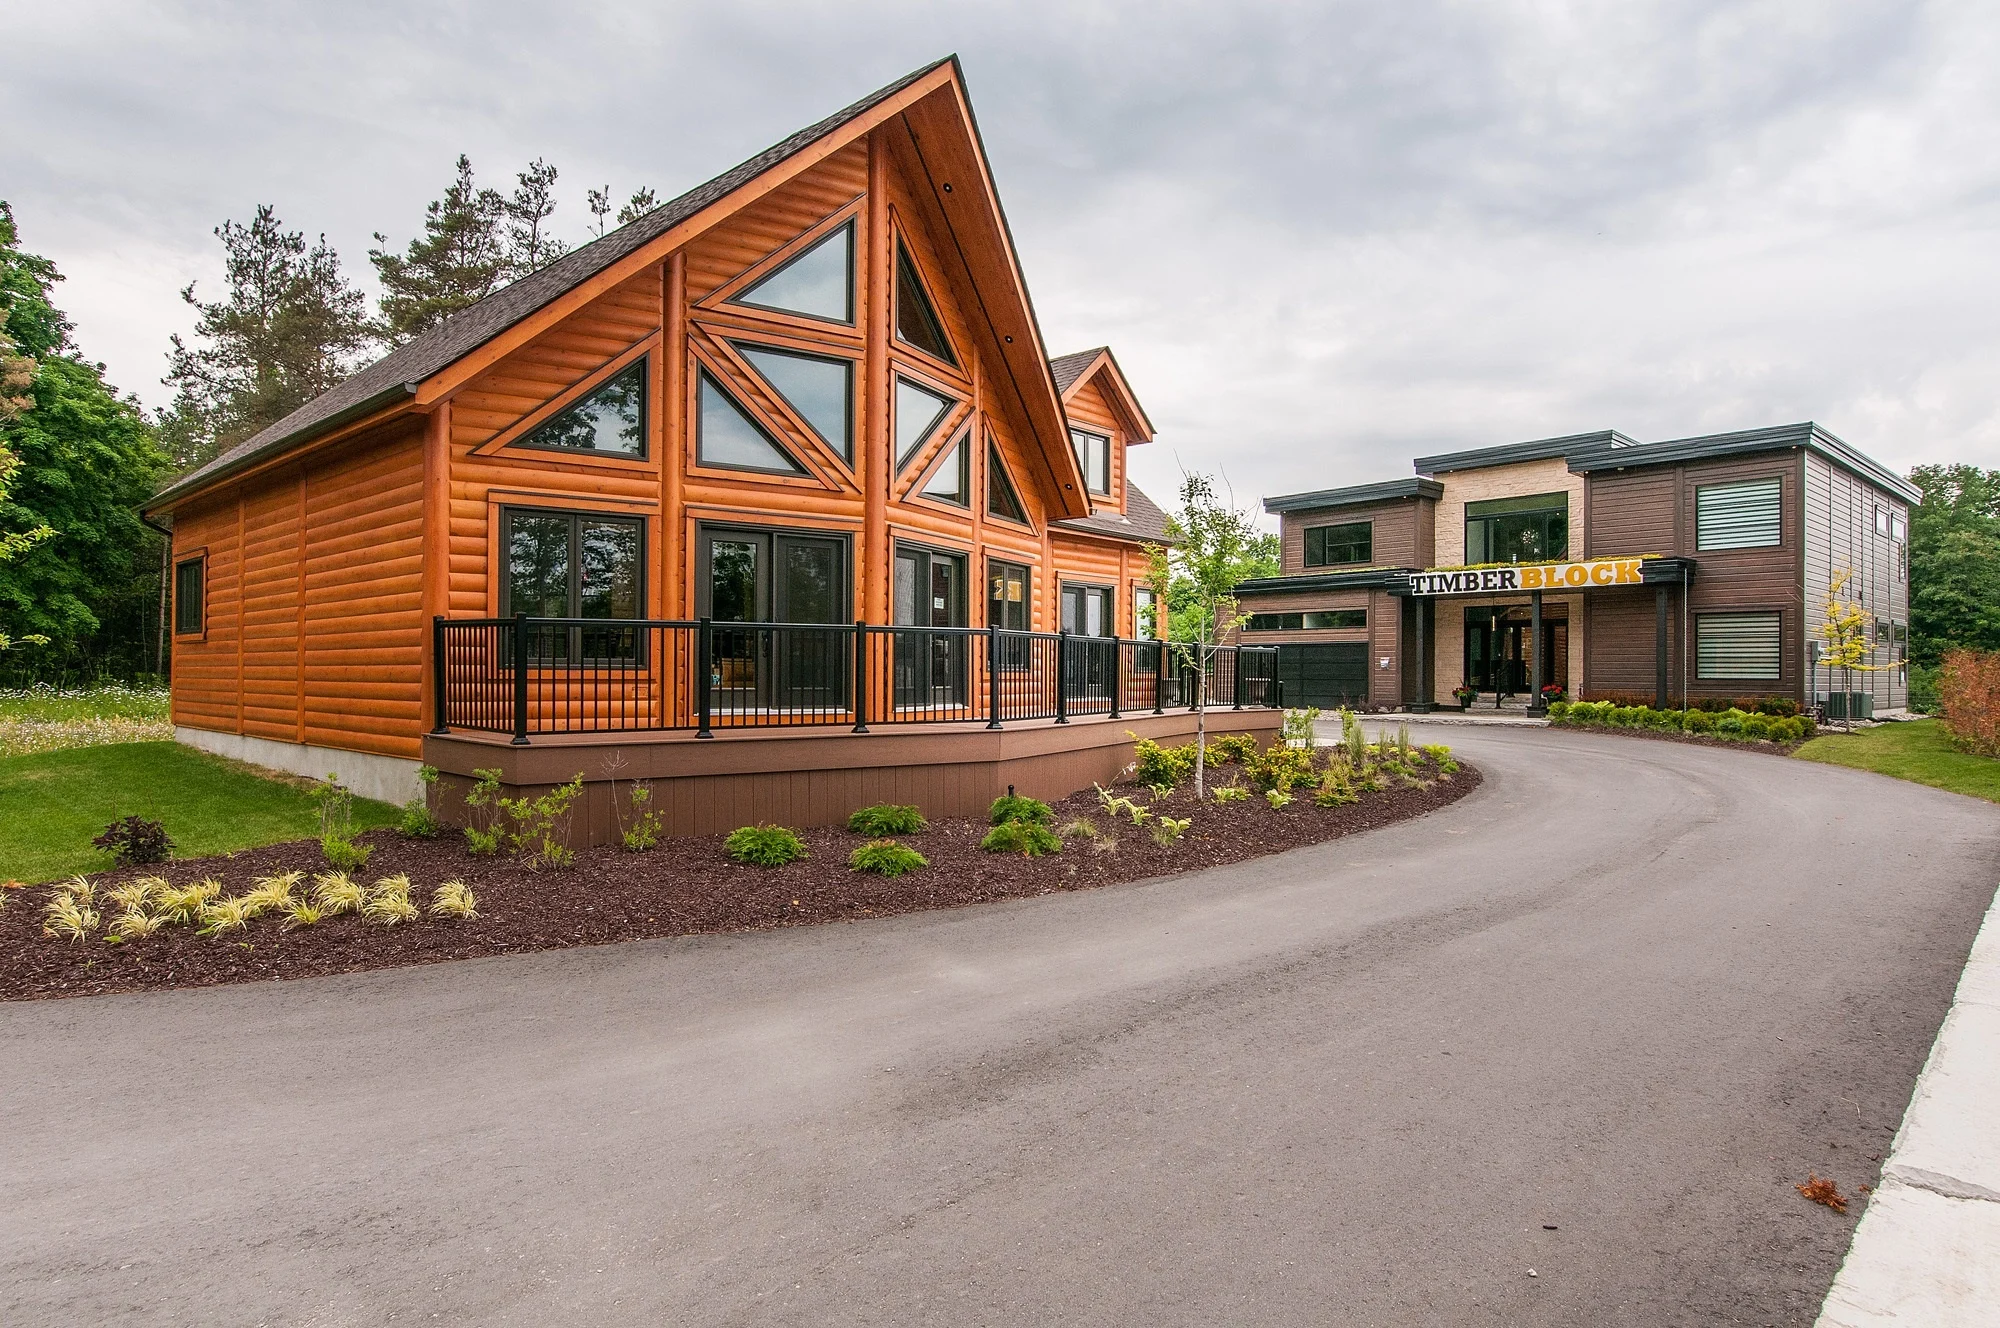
[1916, 751]
[53, 803]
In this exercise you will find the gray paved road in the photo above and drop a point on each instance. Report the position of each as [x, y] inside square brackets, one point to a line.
[1629, 990]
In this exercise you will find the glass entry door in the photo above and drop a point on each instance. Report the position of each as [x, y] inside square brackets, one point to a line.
[1496, 657]
[930, 592]
[1092, 667]
[752, 578]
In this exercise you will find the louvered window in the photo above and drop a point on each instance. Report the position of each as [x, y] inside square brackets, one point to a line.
[1738, 645]
[1737, 516]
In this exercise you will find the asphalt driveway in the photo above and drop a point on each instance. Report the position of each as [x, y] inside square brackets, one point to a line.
[1594, 1021]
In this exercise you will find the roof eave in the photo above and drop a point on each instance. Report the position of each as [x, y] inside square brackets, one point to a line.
[383, 403]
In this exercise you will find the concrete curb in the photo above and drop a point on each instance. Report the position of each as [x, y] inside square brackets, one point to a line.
[1927, 1251]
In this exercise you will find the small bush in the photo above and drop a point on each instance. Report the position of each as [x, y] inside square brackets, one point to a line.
[538, 829]
[1730, 724]
[1278, 798]
[885, 857]
[65, 918]
[344, 855]
[1298, 726]
[887, 818]
[136, 894]
[1232, 748]
[1335, 789]
[764, 845]
[1968, 700]
[643, 835]
[1230, 793]
[1698, 721]
[270, 894]
[417, 821]
[487, 828]
[134, 840]
[131, 925]
[1007, 807]
[453, 899]
[302, 913]
[389, 901]
[1079, 828]
[181, 906]
[1282, 768]
[1154, 764]
[1030, 839]
[1168, 829]
[221, 915]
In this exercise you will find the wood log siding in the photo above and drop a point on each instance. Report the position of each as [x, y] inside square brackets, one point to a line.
[1087, 409]
[317, 627]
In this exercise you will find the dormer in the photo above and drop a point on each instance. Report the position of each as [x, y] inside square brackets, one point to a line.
[1105, 418]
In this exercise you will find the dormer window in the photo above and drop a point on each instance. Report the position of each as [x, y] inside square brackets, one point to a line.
[1093, 458]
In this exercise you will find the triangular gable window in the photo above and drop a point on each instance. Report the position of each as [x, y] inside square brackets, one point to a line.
[726, 436]
[916, 318]
[950, 480]
[610, 419]
[818, 283]
[1001, 499]
[820, 388]
[919, 411]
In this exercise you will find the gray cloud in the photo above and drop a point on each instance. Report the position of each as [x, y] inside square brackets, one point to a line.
[1322, 238]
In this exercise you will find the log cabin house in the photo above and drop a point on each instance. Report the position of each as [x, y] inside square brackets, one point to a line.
[783, 463]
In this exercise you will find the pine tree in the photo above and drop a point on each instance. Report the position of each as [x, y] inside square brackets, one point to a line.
[641, 202]
[599, 203]
[462, 257]
[530, 246]
[289, 327]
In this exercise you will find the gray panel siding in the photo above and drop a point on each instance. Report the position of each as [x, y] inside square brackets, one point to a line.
[1840, 533]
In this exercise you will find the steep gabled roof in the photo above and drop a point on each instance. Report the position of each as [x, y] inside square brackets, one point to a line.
[1067, 369]
[1072, 371]
[399, 377]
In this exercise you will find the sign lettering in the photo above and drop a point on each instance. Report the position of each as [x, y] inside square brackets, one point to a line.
[1529, 576]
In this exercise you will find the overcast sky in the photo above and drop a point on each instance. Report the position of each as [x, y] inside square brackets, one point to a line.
[1322, 238]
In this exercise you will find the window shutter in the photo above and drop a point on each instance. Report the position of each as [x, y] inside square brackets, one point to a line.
[1737, 516]
[1738, 645]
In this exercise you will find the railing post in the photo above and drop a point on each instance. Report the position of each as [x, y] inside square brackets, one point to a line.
[520, 680]
[704, 655]
[992, 675]
[860, 676]
[438, 724]
[1236, 677]
[1062, 675]
[1117, 673]
[1159, 677]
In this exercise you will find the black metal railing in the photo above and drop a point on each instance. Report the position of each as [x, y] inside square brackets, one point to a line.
[533, 676]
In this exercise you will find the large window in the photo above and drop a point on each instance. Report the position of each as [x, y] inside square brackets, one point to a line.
[919, 411]
[189, 590]
[1737, 516]
[819, 387]
[726, 435]
[574, 565]
[610, 418]
[1730, 646]
[1532, 528]
[1001, 499]
[1332, 546]
[1310, 622]
[1007, 602]
[951, 478]
[1093, 457]
[1089, 611]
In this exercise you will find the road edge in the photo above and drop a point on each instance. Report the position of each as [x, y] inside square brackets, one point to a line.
[1927, 1251]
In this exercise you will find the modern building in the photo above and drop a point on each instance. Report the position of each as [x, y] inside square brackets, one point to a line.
[1670, 571]
[783, 461]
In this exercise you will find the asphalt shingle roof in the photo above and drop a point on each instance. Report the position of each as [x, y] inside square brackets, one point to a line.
[1142, 521]
[1068, 368]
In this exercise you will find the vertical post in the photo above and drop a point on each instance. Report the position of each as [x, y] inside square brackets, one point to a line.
[438, 724]
[1660, 647]
[1236, 677]
[704, 656]
[860, 676]
[520, 680]
[1536, 706]
[1062, 675]
[992, 675]
[1117, 673]
[1159, 676]
[1421, 703]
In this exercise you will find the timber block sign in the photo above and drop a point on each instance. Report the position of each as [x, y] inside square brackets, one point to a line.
[1595, 574]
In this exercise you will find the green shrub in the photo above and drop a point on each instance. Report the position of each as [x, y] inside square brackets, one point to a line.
[1232, 748]
[1007, 808]
[1298, 726]
[1229, 793]
[344, 855]
[1031, 839]
[1335, 789]
[1757, 726]
[486, 828]
[1698, 721]
[1730, 724]
[1155, 764]
[887, 818]
[1281, 768]
[764, 845]
[539, 831]
[418, 822]
[1278, 798]
[643, 834]
[885, 857]
[1558, 709]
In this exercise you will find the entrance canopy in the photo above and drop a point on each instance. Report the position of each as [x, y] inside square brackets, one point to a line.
[1591, 574]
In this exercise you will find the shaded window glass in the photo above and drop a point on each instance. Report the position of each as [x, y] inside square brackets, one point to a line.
[1093, 458]
[1739, 645]
[732, 580]
[728, 437]
[1145, 614]
[538, 566]
[1532, 528]
[1001, 500]
[917, 323]
[818, 283]
[1322, 620]
[188, 592]
[608, 570]
[919, 411]
[1332, 546]
[575, 565]
[950, 482]
[1007, 596]
[1087, 610]
[611, 418]
[820, 389]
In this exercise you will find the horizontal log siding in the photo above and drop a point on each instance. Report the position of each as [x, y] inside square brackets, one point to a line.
[722, 254]
[269, 607]
[205, 694]
[1398, 535]
[1088, 409]
[1840, 533]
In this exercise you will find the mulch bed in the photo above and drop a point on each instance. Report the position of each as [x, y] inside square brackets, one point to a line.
[1693, 739]
[682, 887]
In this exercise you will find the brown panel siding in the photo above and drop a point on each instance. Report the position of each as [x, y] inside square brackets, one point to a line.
[1397, 538]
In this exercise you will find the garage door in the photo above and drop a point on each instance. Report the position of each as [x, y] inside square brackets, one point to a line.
[1324, 675]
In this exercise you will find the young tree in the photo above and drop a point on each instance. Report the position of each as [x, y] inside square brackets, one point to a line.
[288, 327]
[462, 257]
[75, 462]
[530, 246]
[642, 201]
[1214, 547]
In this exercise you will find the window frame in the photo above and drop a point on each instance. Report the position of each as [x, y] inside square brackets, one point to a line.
[1702, 619]
[1159, 618]
[907, 261]
[1498, 511]
[1076, 435]
[961, 445]
[844, 450]
[198, 559]
[705, 375]
[1776, 482]
[1250, 623]
[996, 469]
[577, 516]
[1088, 588]
[1306, 544]
[575, 397]
[806, 248]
